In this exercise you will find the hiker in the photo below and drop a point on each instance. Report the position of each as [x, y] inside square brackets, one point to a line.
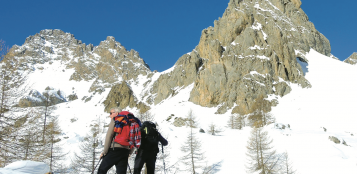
[149, 148]
[123, 136]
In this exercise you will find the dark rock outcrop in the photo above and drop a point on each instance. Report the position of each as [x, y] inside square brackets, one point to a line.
[122, 96]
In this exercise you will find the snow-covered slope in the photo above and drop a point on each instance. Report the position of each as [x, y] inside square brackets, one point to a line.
[329, 103]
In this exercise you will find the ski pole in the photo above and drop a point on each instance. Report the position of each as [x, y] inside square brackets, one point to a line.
[163, 156]
[97, 165]
[129, 168]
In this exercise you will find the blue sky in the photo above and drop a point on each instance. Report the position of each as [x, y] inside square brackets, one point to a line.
[160, 30]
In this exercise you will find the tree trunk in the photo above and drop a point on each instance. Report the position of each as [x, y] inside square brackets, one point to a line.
[51, 156]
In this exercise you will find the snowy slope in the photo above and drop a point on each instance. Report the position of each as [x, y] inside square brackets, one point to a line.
[25, 167]
[329, 103]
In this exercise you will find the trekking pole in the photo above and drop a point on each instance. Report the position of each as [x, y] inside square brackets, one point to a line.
[163, 156]
[129, 168]
[97, 165]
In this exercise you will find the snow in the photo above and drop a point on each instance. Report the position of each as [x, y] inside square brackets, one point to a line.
[168, 70]
[257, 26]
[329, 103]
[303, 66]
[25, 167]
[256, 47]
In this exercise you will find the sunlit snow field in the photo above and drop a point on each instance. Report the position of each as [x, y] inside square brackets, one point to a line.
[329, 103]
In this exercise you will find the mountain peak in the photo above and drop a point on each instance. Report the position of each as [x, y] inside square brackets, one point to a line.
[352, 59]
[251, 50]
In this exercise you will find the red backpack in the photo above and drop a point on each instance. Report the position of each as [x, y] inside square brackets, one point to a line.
[127, 129]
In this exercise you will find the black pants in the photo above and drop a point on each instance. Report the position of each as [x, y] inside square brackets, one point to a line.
[117, 157]
[148, 157]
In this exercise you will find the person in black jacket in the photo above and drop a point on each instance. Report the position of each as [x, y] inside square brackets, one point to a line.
[149, 148]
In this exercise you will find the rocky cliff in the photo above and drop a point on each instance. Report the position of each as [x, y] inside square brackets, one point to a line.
[104, 65]
[352, 59]
[251, 50]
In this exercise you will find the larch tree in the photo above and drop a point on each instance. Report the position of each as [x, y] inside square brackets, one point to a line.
[260, 153]
[162, 160]
[240, 121]
[192, 147]
[31, 146]
[286, 166]
[12, 88]
[260, 115]
[213, 129]
[146, 116]
[54, 151]
[231, 122]
[90, 150]
[47, 109]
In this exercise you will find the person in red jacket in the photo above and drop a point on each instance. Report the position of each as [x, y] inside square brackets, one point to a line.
[116, 152]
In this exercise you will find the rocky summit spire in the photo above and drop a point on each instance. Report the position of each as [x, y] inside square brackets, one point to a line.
[251, 50]
[352, 59]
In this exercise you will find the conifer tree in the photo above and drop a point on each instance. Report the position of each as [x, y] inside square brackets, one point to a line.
[240, 121]
[146, 116]
[31, 146]
[91, 148]
[231, 122]
[286, 167]
[55, 154]
[192, 147]
[213, 129]
[12, 87]
[236, 121]
[260, 153]
[260, 115]
[163, 157]
[47, 110]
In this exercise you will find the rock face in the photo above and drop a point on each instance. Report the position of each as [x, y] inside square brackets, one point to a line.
[104, 65]
[253, 50]
[250, 51]
[334, 139]
[352, 59]
[49, 97]
[107, 62]
[122, 96]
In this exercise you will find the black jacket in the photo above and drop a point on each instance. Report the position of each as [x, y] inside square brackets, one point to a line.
[147, 146]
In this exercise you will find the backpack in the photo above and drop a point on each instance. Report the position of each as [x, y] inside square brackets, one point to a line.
[150, 136]
[127, 130]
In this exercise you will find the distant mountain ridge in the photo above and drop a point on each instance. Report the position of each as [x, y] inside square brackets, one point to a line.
[252, 50]
[104, 65]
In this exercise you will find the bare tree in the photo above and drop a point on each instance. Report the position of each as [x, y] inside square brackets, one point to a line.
[28, 141]
[147, 116]
[55, 153]
[261, 156]
[3, 50]
[236, 121]
[260, 115]
[91, 147]
[240, 121]
[192, 147]
[163, 157]
[213, 129]
[286, 166]
[12, 87]
[231, 122]
[47, 110]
